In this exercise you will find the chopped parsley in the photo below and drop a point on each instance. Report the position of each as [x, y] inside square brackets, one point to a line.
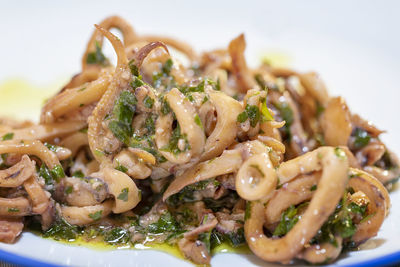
[215, 85]
[136, 82]
[84, 130]
[242, 117]
[173, 142]
[8, 136]
[134, 69]
[198, 121]
[78, 174]
[52, 175]
[213, 238]
[362, 138]
[97, 57]
[164, 78]
[148, 102]
[96, 216]
[252, 113]
[124, 109]
[165, 108]
[62, 230]
[313, 188]
[120, 130]
[247, 213]
[117, 235]
[265, 111]
[45, 174]
[166, 68]
[52, 147]
[98, 152]
[57, 172]
[166, 223]
[340, 222]
[13, 210]
[260, 81]
[68, 190]
[286, 114]
[124, 194]
[149, 124]
[121, 168]
[186, 195]
[186, 90]
[320, 109]
[288, 219]
[340, 153]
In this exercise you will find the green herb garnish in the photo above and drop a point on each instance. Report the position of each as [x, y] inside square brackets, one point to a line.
[173, 142]
[97, 57]
[254, 114]
[362, 138]
[148, 102]
[57, 172]
[265, 111]
[68, 190]
[120, 130]
[96, 216]
[62, 230]
[340, 153]
[125, 107]
[124, 194]
[242, 117]
[46, 175]
[313, 188]
[166, 223]
[117, 235]
[13, 210]
[288, 219]
[198, 121]
[165, 108]
[247, 213]
[121, 168]
[8, 136]
[78, 174]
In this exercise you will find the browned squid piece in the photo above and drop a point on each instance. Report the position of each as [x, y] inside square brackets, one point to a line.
[18, 173]
[101, 139]
[372, 154]
[329, 191]
[362, 189]
[297, 139]
[24, 173]
[336, 122]
[106, 147]
[10, 229]
[172, 42]
[93, 60]
[240, 70]
[36, 200]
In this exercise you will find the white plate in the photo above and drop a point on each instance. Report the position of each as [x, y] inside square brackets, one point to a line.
[354, 45]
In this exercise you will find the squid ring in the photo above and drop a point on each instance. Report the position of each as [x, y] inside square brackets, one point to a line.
[330, 189]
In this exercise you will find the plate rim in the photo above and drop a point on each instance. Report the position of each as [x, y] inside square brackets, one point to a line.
[20, 260]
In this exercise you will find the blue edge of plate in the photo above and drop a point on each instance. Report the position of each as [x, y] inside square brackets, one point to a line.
[387, 260]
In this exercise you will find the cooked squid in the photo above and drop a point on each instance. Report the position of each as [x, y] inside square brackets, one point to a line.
[195, 155]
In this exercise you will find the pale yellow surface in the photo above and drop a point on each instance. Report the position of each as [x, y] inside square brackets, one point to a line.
[275, 58]
[22, 99]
